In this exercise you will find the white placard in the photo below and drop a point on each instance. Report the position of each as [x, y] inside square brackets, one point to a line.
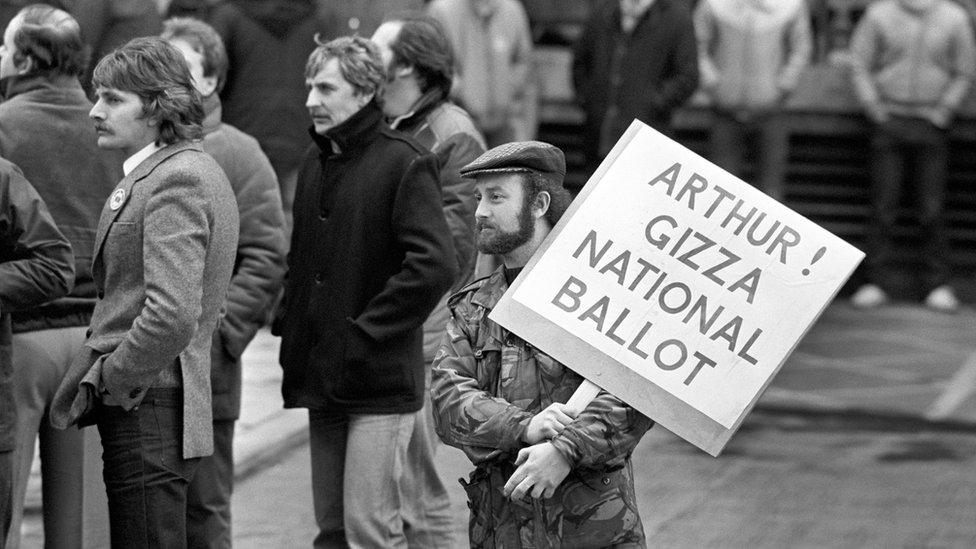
[683, 274]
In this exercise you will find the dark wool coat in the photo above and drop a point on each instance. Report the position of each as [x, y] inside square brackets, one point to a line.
[261, 247]
[35, 265]
[46, 132]
[370, 256]
[645, 74]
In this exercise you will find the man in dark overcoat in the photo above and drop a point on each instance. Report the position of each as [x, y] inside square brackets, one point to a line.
[370, 257]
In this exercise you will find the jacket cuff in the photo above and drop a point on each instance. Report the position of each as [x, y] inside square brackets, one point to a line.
[116, 394]
[567, 448]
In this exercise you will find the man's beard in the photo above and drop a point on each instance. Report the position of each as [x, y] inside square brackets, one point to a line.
[501, 242]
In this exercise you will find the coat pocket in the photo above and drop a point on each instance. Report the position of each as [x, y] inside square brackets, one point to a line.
[373, 370]
[599, 509]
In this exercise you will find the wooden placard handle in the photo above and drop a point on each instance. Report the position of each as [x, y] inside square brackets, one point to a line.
[584, 394]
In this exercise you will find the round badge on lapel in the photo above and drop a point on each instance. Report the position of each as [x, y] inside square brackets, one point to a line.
[118, 197]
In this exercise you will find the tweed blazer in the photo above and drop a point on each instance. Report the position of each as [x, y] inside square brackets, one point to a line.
[164, 253]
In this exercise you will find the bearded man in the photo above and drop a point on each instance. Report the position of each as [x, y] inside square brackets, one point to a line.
[502, 401]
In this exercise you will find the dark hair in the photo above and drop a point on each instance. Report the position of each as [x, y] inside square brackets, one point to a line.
[359, 62]
[559, 197]
[421, 44]
[52, 39]
[204, 40]
[155, 71]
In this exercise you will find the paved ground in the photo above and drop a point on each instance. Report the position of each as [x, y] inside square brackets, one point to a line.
[895, 368]
[785, 480]
[900, 360]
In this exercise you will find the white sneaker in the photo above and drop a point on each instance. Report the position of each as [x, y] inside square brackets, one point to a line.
[869, 296]
[942, 299]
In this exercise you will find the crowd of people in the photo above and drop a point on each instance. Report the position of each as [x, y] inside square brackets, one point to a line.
[174, 175]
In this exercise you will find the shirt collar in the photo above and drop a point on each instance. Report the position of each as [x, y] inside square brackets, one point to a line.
[133, 161]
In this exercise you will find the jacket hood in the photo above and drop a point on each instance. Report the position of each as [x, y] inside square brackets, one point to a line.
[917, 6]
[278, 17]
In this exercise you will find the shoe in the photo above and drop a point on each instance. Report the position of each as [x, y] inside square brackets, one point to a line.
[869, 296]
[942, 299]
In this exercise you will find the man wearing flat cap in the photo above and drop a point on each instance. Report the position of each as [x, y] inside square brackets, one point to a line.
[543, 477]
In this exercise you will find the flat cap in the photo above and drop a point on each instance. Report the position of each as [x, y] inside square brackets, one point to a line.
[519, 156]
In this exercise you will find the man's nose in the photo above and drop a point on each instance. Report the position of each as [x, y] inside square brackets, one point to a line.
[312, 99]
[96, 112]
[481, 211]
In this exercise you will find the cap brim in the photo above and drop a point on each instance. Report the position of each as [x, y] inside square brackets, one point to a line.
[474, 173]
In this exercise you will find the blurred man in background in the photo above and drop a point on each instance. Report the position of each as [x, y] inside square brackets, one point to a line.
[493, 49]
[45, 130]
[36, 265]
[267, 44]
[912, 63]
[419, 70]
[751, 55]
[258, 271]
[635, 59]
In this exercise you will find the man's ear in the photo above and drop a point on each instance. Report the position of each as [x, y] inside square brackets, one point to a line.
[402, 71]
[25, 64]
[540, 206]
[207, 86]
[362, 99]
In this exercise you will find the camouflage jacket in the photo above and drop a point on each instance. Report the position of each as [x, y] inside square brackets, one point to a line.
[487, 384]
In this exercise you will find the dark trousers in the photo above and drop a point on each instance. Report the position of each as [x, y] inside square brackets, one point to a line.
[768, 133]
[208, 500]
[895, 144]
[6, 493]
[146, 477]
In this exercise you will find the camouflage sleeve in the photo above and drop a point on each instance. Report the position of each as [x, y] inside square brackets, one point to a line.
[467, 416]
[603, 435]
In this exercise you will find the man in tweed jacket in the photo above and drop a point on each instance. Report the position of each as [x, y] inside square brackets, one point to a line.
[164, 252]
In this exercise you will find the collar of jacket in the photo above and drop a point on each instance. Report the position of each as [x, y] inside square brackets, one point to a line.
[658, 5]
[278, 17]
[15, 85]
[212, 113]
[149, 164]
[491, 291]
[426, 103]
[917, 7]
[352, 134]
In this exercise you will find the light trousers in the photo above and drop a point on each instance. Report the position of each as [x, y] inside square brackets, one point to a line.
[357, 466]
[40, 360]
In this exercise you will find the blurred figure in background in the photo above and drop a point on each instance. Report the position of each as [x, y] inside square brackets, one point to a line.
[493, 47]
[258, 271]
[913, 62]
[751, 54]
[36, 265]
[419, 69]
[363, 17]
[107, 24]
[45, 130]
[635, 59]
[267, 44]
